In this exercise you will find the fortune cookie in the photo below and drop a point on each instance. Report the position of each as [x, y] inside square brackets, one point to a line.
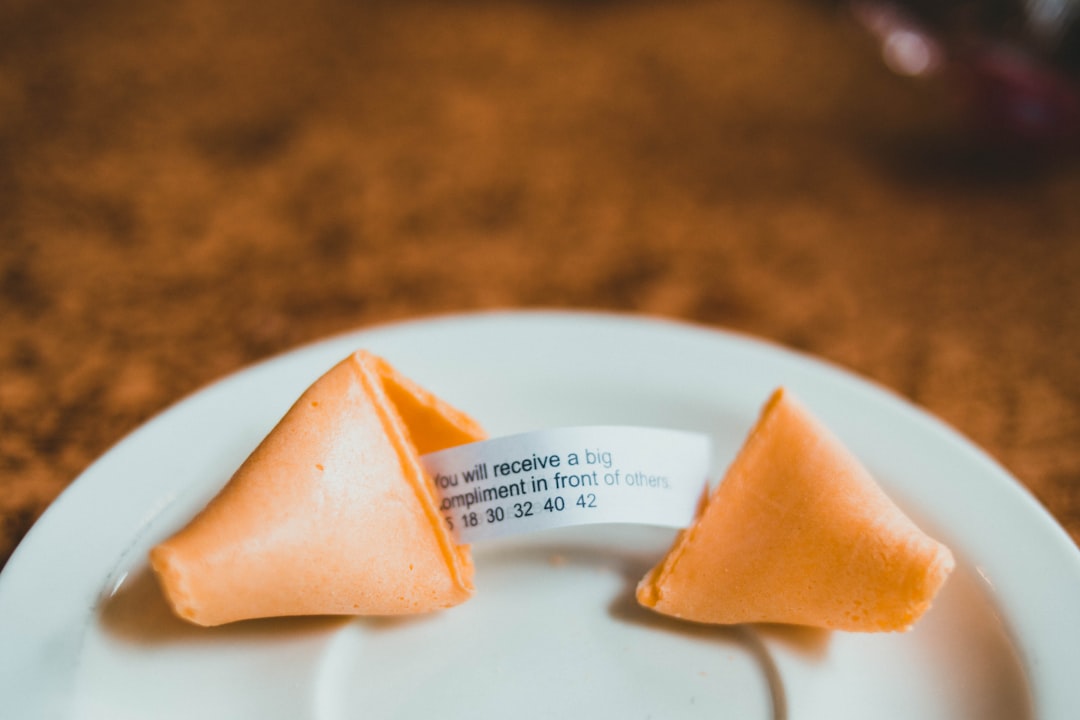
[331, 513]
[798, 532]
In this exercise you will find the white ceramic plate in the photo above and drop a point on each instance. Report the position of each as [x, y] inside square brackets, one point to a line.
[553, 630]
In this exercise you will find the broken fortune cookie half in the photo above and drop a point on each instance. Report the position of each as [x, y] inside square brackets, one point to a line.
[332, 512]
[799, 533]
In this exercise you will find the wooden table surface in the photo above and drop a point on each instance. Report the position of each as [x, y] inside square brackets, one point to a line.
[189, 187]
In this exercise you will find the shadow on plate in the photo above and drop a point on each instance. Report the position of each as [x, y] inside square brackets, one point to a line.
[137, 612]
[810, 642]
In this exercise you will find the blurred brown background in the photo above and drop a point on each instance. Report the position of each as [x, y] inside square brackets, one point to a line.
[187, 188]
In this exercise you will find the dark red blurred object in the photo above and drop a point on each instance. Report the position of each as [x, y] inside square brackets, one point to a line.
[1013, 66]
[1009, 95]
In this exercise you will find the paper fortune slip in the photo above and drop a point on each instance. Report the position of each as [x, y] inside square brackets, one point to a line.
[570, 476]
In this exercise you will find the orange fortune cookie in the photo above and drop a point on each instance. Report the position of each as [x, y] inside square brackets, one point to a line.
[331, 514]
[798, 532]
